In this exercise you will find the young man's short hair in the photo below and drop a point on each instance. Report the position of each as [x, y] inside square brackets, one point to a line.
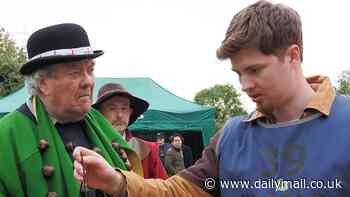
[265, 26]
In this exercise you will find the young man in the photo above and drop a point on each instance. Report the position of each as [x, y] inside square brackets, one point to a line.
[296, 143]
[174, 157]
[37, 140]
[122, 109]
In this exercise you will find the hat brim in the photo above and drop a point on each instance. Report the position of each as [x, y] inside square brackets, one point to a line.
[138, 105]
[39, 63]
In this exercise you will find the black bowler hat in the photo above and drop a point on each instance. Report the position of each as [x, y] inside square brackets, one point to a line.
[110, 90]
[57, 44]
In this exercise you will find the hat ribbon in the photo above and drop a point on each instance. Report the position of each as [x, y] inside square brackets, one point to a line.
[65, 52]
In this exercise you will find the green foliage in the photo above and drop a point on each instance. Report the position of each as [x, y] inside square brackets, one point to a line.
[11, 58]
[344, 83]
[344, 87]
[225, 100]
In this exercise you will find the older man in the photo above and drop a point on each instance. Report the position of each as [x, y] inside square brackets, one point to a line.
[296, 143]
[122, 109]
[37, 140]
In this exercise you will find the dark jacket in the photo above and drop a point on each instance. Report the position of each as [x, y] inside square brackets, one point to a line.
[174, 161]
[188, 157]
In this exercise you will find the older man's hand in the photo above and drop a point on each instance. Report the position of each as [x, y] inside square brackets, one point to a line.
[99, 174]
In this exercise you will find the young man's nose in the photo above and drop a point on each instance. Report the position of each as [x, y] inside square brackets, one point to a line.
[246, 83]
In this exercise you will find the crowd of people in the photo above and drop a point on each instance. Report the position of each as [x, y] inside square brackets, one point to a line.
[60, 143]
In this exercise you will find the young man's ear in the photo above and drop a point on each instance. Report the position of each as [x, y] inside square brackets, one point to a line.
[293, 55]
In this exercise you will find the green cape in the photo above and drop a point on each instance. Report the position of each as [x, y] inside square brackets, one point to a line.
[22, 163]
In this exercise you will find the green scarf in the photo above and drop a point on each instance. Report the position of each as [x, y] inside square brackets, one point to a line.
[100, 134]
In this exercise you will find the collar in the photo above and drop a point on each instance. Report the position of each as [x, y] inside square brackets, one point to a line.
[321, 102]
[31, 103]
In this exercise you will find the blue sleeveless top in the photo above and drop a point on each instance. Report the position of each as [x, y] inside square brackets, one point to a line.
[304, 158]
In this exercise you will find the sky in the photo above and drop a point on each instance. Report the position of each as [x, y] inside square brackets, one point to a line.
[174, 41]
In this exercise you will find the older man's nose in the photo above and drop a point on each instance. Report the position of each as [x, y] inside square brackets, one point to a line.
[88, 79]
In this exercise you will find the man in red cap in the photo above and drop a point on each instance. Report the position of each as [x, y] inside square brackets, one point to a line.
[122, 109]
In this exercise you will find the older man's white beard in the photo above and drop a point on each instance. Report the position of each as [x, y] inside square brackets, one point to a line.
[120, 128]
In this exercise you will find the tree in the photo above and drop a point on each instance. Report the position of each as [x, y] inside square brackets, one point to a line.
[11, 58]
[225, 100]
[344, 83]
